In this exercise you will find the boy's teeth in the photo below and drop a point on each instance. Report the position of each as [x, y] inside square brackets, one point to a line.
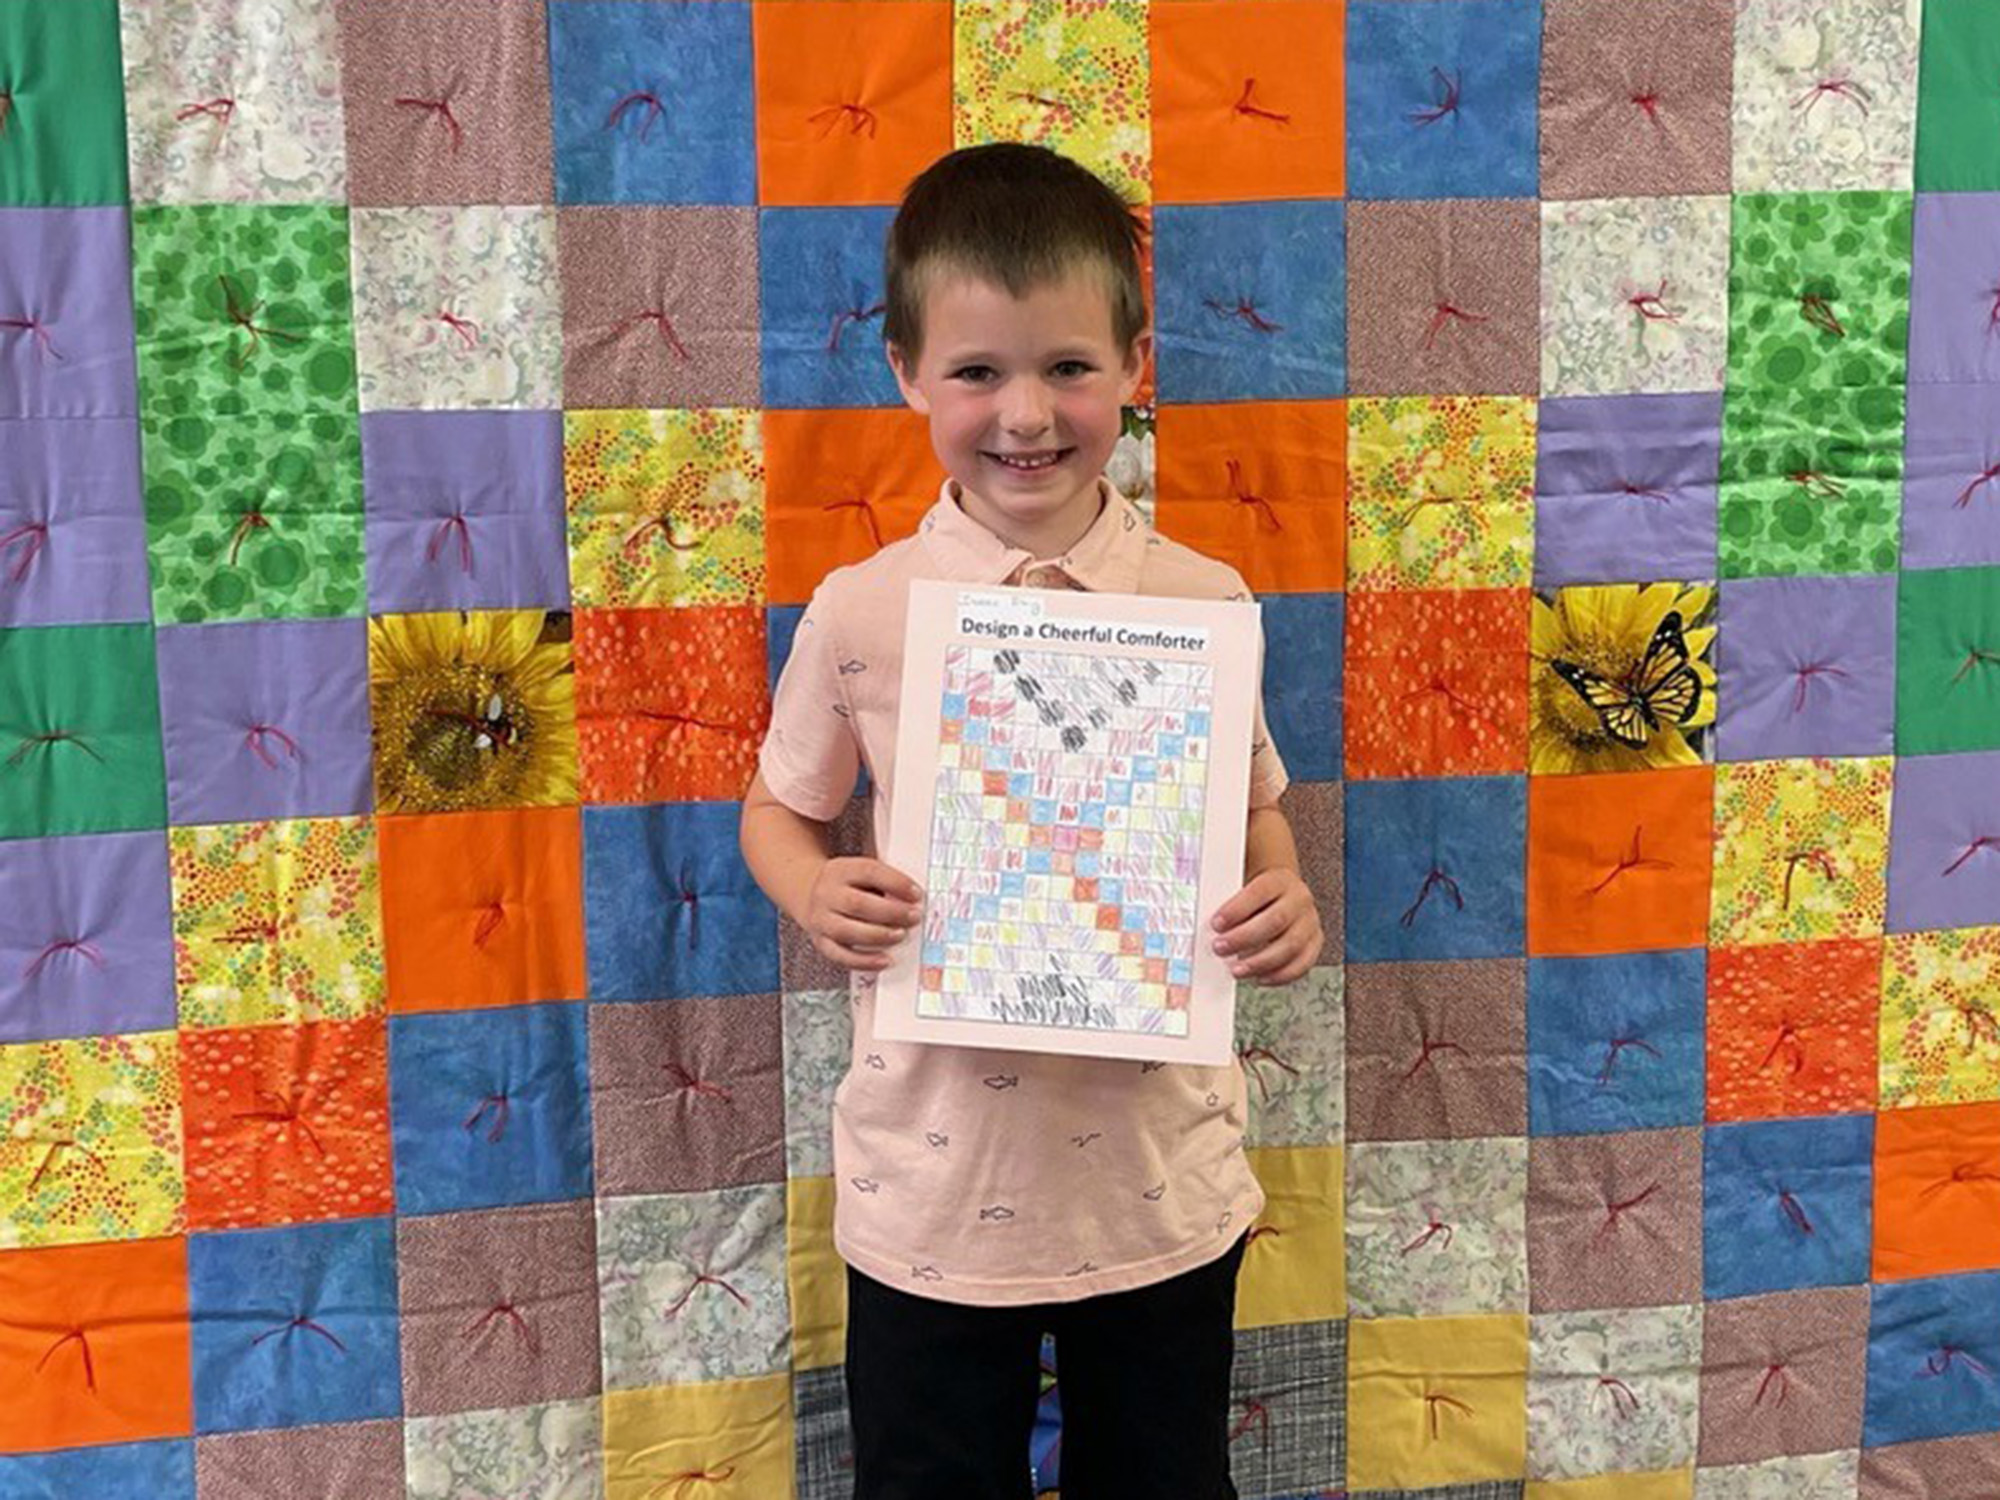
[1038, 463]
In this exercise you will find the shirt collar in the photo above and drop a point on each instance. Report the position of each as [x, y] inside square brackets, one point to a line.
[1107, 559]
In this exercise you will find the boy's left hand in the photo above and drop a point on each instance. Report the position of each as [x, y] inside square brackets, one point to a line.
[1269, 931]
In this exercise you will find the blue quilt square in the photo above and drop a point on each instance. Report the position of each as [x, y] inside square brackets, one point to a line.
[1787, 1204]
[821, 270]
[159, 1471]
[1251, 300]
[490, 1107]
[1435, 868]
[294, 1327]
[1933, 1359]
[1616, 1043]
[670, 908]
[1302, 655]
[1441, 99]
[653, 103]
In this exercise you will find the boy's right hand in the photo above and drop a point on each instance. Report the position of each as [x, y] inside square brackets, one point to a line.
[859, 909]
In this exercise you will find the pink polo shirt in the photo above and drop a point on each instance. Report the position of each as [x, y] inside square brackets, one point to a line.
[1003, 1177]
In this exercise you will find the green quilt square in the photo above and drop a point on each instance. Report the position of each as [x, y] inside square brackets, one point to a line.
[1819, 289]
[243, 311]
[79, 731]
[1811, 481]
[1958, 97]
[254, 517]
[1948, 661]
[62, 104]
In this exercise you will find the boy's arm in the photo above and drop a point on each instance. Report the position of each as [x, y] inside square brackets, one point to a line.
[853, 909]
[1268, 844]
[785, 850]
[1269, 931]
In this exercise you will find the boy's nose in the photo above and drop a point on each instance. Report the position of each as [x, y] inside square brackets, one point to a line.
[1027, 409]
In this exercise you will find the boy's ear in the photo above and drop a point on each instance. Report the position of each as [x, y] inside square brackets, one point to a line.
[1135, 365]
[899, 366]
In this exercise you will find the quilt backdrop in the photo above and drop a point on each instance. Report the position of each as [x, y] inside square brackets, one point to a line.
[421, 423]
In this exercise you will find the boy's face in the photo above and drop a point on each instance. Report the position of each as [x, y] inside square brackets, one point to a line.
[1024, 397]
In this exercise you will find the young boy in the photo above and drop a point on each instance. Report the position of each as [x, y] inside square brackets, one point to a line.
[984, 1196]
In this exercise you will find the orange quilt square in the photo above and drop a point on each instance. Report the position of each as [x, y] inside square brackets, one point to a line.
[852, 100]
[671, 704]
[483, 908]
[840, 485]
[1437, 683]
[1618, 862]
[94, 1345]
[287, 1124]
[1937, 1191]
[1792, 1029]
[1249, 100]
[1261, 485]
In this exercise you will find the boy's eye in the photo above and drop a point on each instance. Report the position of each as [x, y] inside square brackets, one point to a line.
[974, 373]
[1073, 367]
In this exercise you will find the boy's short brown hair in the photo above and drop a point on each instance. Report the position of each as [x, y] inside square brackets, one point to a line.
[1014, 215]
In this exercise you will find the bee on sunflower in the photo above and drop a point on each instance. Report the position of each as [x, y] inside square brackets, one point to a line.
[1620, 678]
[472, 710]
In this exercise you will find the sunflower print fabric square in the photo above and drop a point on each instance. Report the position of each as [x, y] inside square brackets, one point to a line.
[1443, 492]
[665, 507]
[1621, 678]
[474, 709]
[277, 921]
[90, 1140]
[1067, 76]
[1801, 850]
[1940, 1031]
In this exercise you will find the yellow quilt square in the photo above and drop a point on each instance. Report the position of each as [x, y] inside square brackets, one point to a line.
[1294, 1270]
[1436, 1400]
[816, 1273]
[1669, 1484]
[1801, 850]
[724, 1440]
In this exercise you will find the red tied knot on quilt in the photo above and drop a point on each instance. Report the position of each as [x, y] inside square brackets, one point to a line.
[1059, 111]
[256, 734]
[1974, 657]
[512, 1314]
[1835, 88]
[867, 509]
[1817, 485]
[1448, 87]
[1256, 1414]
[1979, 482]
[6, 109]
[1435, 1229]
[1964, 1173]
[1652, 306]
[686, 895]
[856, 314]
[701, 1279]
[657, 316]
[491, 915]
[1435, 1399]
[63, 945]
[1262, 1231]
[860, 117]
[465, 328]
[1613, 1048]
[1427, 1046]
[280, 1330]
[1805, 676]
[1993, 312]
[686, 1082]
[1614, 1212]
[1624, 1402]
[1246, 310]
[1632, 859]
[663, 523]
[1648, 101]
[1816, 860]
[45, 347]
[51, 737]
[1945, 1357]
[1442, 313]
[1788, 1037]
[1643, 492]
[455, 522]
[57, 1146]
[681, 1484]
[1403, 522]
[219, 109]
[282, 1114]
[251, 520]
[82, 1341]
[1251, 1056]
[1436, 879]
[1242, 494]
[1980, 1025]
[1794, 1211]
[441, 108]
[1773, 1372]
[1817, 309]
[1257, 112]
[647, 101]
[497, 1103]
[243, 314]
[36, 535]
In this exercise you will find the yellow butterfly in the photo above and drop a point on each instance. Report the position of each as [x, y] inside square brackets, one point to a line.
[1663, 689]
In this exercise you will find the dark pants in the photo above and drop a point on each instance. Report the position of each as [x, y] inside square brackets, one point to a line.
[942, 1396]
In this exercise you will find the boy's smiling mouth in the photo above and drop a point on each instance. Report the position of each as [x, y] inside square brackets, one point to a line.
[1029, 462]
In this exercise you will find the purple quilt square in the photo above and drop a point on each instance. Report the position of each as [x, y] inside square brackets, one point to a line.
[1955, 288]
[72, 523]
[1951, 475]
[1807, 667]
[86, 936]
[465, 510]
[1625, 488]
[265, 719]
[1944, 842]
[66, 346]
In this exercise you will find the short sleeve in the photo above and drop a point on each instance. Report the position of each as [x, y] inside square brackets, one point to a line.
[811, 755]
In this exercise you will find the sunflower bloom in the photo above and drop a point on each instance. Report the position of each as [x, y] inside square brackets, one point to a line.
[1606, 631]
[472, 710]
